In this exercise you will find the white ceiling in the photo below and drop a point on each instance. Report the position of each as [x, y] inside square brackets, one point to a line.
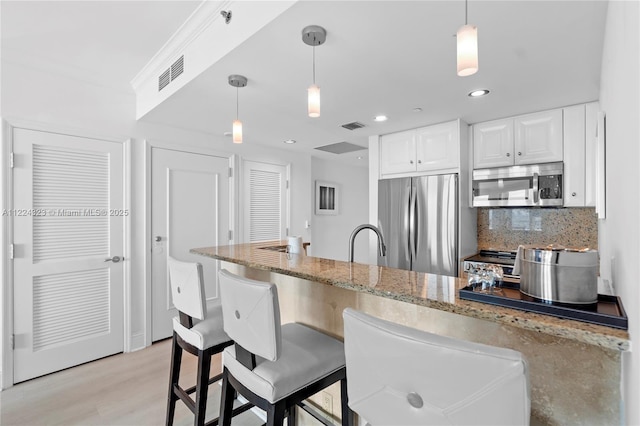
[380, 57]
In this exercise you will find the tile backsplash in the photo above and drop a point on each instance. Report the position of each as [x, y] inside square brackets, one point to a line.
[506, 228]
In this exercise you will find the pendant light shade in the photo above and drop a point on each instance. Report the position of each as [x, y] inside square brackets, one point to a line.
[313, 96]
[467, 47]
[467, 38]
[313, 35]
[237, 81]
[237, 131]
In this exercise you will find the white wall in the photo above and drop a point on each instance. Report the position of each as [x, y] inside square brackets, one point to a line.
[330, 234]
[52, 100]
[619, 233]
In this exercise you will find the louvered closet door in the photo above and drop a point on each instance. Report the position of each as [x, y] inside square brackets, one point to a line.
[264, 201]
[69, 218]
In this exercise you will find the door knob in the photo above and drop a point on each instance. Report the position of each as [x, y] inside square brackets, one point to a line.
[114, 259]
[157, 239]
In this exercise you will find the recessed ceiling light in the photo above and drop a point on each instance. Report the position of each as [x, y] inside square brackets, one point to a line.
[380, 118]
[417, 109]
[227, 133]
[478, 93]
[359, 157]
[290, 141]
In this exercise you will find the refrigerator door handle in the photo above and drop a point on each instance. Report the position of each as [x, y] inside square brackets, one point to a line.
[412, 223]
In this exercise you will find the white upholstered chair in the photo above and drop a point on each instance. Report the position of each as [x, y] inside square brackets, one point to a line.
[274, 367]
[402, 376]
[197, 330]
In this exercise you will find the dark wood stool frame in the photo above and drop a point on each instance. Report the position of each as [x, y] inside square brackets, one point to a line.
[284, 408]
[197, 407]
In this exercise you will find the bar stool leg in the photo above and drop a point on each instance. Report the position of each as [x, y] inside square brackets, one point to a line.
[347, 414]
[291, 416]
[202, 386]
[226, 401]
[176, 360]
[275, 414]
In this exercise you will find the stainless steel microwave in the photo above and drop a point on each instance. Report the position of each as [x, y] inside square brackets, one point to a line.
[526, 186]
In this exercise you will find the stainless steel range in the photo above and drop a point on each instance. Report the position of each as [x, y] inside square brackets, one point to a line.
[503, 259]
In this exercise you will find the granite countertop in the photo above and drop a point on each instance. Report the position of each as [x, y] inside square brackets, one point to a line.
[433, 291]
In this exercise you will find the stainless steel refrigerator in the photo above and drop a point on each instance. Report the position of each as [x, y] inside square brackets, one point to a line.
[418, 218]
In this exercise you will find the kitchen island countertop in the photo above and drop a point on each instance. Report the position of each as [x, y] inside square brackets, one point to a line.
[429, 290]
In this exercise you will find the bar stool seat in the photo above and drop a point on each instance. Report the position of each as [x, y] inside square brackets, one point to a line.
[207, 333]
[398, 375]
[306, 355]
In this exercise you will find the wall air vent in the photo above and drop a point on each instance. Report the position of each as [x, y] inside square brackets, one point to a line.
[171, 73]
[341, 148]
[164, 79]
[177, 68]
[353, 126]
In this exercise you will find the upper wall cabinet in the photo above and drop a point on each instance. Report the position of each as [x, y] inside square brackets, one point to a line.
[580, 125]
[526, 139]
[425, 149]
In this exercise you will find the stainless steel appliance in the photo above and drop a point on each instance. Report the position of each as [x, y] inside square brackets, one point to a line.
[560, 275]
[530, 185]
[503, 259]
[418, 218]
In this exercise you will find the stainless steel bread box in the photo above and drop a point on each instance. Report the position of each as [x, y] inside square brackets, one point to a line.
[559, 274]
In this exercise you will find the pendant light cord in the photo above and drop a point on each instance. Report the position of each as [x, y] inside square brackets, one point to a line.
[237, 104]
[314, 62]
[465, 12]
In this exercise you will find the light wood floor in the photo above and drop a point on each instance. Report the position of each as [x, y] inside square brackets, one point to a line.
[125, 389]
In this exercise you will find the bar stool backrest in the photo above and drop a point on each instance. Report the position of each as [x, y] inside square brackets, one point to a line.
[187, 287]
[400, 375]
[251, 314]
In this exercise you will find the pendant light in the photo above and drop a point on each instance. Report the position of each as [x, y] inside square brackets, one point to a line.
[314, 35]
[467, 43]
[237, 81]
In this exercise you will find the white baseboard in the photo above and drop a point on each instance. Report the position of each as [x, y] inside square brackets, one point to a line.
[137, 342]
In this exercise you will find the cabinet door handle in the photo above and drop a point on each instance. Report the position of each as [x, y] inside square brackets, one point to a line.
[519, 153]
[410, 161]
[508, 154]
[419, 161]
[573, 194]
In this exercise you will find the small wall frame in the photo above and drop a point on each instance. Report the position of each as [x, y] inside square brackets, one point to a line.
[327, 198]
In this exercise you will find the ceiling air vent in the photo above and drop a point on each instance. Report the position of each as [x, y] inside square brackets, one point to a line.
[353, 126]
[340, 148]
[171, 73]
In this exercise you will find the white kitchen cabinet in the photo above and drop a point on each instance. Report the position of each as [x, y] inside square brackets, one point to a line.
[526, 139]
[398, 152]
[493, 144]
[580, 122]
[538, 137]
[437, 147]
[422, 150]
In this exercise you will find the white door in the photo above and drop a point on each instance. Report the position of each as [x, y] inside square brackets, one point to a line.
[189, 209]
[264, 201]
[68, 219]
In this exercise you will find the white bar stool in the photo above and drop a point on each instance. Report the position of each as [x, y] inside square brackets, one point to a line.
[274, 367]
[402, 376]
[197, 330]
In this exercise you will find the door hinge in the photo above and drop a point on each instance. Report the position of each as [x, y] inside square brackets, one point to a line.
[11, 251]
[13, 342]
[287, 184]
[286, 232]
[230, 234]
[230, 172]
[11, 160]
